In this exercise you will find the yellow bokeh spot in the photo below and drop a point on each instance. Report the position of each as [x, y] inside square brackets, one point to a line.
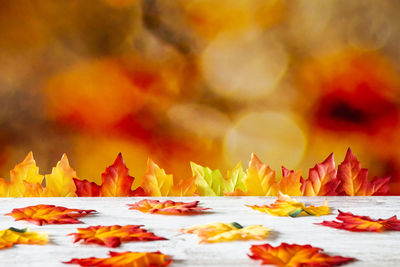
[244, 66]
[275, 138]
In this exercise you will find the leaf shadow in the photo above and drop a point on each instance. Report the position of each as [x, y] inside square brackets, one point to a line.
[273, 235]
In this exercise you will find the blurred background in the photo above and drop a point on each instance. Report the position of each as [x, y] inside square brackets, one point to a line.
[200, 80]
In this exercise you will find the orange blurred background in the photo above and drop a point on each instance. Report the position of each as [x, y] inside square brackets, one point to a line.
[200, 80]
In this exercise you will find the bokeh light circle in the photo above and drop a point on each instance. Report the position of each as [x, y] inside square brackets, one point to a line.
[244, 67]
[274, 137]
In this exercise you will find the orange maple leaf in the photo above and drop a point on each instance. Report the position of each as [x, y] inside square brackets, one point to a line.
[116, 182]
[112, 236]
[224, 232]
[12, 236]
[294, 255]
[25, 180]
[354, 179]
[167, 207]
[355, 223]
[156, 182]
[322, 180]
[184, 187]
[290, 182]
[125, 259]
[48, 214]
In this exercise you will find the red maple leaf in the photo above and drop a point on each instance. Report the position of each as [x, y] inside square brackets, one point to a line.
[354, 179]
[322, 180]
[294, 255]
[116, 182]
[355, 223]
[48, 214]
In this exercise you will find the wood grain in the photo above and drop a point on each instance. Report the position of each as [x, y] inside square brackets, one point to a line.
[371, 249]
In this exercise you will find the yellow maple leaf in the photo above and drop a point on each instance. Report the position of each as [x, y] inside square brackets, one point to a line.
[26, 171]
[156, 182]
[25, 180]
[260, 180]
[223, 232]
[12, 236]
[234, 179]
[286, 206]
[60, 183]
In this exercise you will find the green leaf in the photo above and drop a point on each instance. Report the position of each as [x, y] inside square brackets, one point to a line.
[209, 182]
[295, 213]
[237, 225]
[212, 183]
[18, 230]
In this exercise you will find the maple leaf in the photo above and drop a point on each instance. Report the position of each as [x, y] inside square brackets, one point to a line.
[60, 182]
[290, 182]
[112, 236]
[12, 236]
[184, 187]
[167, 207]
[156, 182]
[116, 182]
[286, 206]
[209, 182]
[354, 179]
[294, 255]
[85, 188]
[125, 259]
[48, 214]
[25, 180]
[350, 222]
[258, 181]
[322, 180]
[212, 183]
[224, 232]
[27, 171]
[235, 179]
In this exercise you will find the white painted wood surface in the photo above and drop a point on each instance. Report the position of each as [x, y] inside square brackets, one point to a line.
[371, 249]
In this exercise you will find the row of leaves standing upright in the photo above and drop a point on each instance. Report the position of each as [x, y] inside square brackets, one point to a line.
[324, 179]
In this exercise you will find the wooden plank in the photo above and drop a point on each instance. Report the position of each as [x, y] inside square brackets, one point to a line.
[371, 249]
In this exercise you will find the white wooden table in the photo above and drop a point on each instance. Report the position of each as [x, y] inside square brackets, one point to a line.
[371, 249]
